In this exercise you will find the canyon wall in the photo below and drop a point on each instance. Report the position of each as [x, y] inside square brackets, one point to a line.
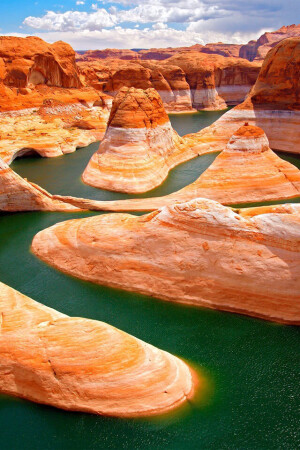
[185, 81]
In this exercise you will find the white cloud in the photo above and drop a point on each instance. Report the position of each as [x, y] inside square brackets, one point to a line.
[119, 37]
[80, 2]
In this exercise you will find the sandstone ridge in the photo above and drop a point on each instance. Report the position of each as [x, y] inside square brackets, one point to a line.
[208, 255]
[84, 365]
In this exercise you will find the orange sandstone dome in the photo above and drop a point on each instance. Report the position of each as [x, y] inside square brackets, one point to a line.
[196, 252]
[139, 147]
[84, 365]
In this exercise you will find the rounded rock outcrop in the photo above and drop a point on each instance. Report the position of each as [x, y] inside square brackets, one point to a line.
[84, 365]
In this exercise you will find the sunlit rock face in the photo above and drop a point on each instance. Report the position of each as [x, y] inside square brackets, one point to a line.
[84, 365]
[272, 104]
[32, 61]
[197, 252]
[257, 50]
[139, 146]
[44, 105]
[18, 194]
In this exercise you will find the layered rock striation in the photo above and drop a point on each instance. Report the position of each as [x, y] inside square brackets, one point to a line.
[139, 147]
[18, 194]
[198, 252]
[44, 105]
[272, 104]
[84, 365]
[246, 171]
[185, 81]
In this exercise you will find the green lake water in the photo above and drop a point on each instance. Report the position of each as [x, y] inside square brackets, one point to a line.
[251, 394]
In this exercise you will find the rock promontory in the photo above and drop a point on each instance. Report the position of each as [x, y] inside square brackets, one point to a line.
[84, 365]
[198, 252]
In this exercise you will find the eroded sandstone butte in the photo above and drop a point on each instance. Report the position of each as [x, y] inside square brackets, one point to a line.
[272, 104]
[185, 81]
[44, 105]
[84, 365]
[197, 252]
[246, 171]
[139, 147]
[18, 194]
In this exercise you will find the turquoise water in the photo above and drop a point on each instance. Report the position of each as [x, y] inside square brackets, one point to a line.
[250, 367]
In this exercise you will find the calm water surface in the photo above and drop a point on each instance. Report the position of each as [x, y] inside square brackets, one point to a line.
[250, 368]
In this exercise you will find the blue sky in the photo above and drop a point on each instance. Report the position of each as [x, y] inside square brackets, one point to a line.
[91, 24]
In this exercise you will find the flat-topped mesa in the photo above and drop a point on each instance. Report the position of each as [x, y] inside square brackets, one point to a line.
[139, 146]
[84, 365]
[272, 104]
[208, 255]
[246, 171]
[18, 194]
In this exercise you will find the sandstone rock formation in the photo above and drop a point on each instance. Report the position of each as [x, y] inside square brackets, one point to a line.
[44, 105]
[54, 129]
[18, 194]
[257, 50]
[31, 61]
[246, 171]
[273, 104]
[84, 365]
[185, 81]
[215, 81]
[197, 252]
[108, 53]
[139, 147]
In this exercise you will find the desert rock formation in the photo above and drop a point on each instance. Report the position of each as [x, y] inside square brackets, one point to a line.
[273, 104]
[185, 81]
[257, 50]
[139, 147]
[44, 106]
[18, 194]
[246, 171]
[197, 252]
[84, 365]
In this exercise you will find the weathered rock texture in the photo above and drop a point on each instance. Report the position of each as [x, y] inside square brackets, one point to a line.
[273, 104]
[185, 81]
[18, 194]
[246, 171]
[84, 365]
[44, 105]
[33, 61]
[139, 147]
[257, 50]
[199, 252]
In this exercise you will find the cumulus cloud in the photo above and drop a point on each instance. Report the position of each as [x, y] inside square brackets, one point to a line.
[149, 23]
